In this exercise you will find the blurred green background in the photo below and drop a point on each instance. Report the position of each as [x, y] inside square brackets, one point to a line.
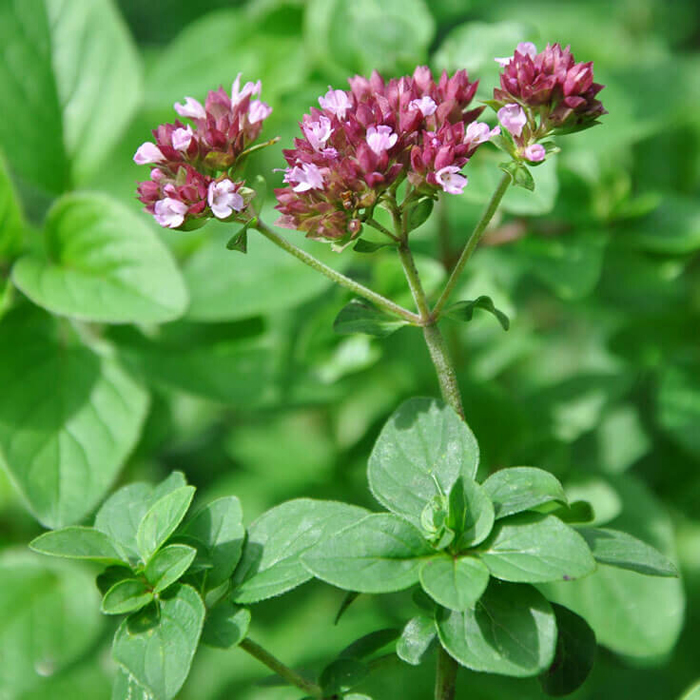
[598, 379]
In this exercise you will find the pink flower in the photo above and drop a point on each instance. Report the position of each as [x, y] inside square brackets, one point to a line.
[170, 212]
[525, 48]
[535, 153]
[191, 109]
[318, 132]
[513, 117]
[335, 101]
[148, 153]
[451, 180]
[249, 89]
[258, 111]
[182, 138]
[425, 105]
[306, 177]
[479, 132]
[224, 199]
[381, 138]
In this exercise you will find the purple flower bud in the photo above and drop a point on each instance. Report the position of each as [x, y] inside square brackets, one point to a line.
[336, 101]
[191, 109]
[535, 153]
[182, 138]
[148, 153]
[305, 177]
[425, 105]
[513, 118]
[381, 138]
[170, 212]
[450, 179]
[223, 198]
[318, 132]
[258, 111]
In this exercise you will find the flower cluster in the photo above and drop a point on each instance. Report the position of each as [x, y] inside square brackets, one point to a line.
[192, 167]
[366, 140]
[544, 93]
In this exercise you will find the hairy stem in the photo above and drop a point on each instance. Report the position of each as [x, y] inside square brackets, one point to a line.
[337, 277]
[411, 272]
[275, 665]
[446, 676]
[447, 377]
[472, 243]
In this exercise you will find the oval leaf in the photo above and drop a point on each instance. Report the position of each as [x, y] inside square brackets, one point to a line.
[471, 512]
[226, 625]
[535, 548]
[422, 450]
[416, 639]
[380, 554]
[125, 597]
[456, 584]
[76, 542]
[464, 310]
[511, 631]
[361, 317]
[103, 263]
[522, 488]
[168, 565]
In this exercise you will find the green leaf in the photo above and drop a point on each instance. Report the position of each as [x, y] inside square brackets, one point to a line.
[49, 619]
[226, 625]
[619, 549]
[342, 675]
[517, 489]
[86, 425]
[692, 693]
[239, 241]
[361, 317]
[416, 639]
[112, 575]
[534, 548]
[365, 246]
[370, 643]
[218, 529]
[576, 512]
[511, 631]
[348, 599]
[271, 560]
[102, 263]
[80, 94]
[520, 174]
[420, 212]
[464, 310]
[125, 687]
[471, 513]
[160, 658]
[161, 520]
[11, 220]
[126, 596]
[455, 583]
[168, 565]
[121, 513]
[420, 453]
[678, 407]
[76, 542]
[379, 554]
[574, 656]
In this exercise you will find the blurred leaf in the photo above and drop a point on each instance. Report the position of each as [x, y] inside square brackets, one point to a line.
[464, 310]
[370, 643]
[11, 220]
[455, 583]
[678, 407]
[511, 631]
[622, 439]
[381, 553]
[692, 693]
[532, 548]
[76, 542]
[87, 424]
[271, 561]
[416, 639]
[80, 94]
[574, 657]
[168, 565]
[361, 317]
[159, 659]
[102, 264]
[409, 467]
[517, 489]
[342, 675]
[226, 625]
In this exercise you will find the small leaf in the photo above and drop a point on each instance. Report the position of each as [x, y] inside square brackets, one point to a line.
[365, 246]
[420, 212]
[535, 548]
[416, 639]
[624, 551]
[126, 596]
[464, 310]
[380, 554]
[420, 453]
[239, 241]
[348, 599]
[511, 631]
[523, 178]
[361, 317]
[161, 520]
[370, 643]
[112, 575]
[168, 565]
[456, 584]
[76, 542]
[471, 513]
[271, 564]
[342, 675]
[574, 655]
[517, 489]
[226, 625]
[159, 658]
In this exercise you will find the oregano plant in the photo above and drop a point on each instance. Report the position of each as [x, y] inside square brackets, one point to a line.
[484, 558]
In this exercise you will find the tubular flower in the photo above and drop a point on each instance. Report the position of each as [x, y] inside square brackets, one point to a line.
[364, 140]
[193, 165]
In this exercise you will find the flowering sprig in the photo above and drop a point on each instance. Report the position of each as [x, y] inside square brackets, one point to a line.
[193, 175]
[544, 94]
[362, 143]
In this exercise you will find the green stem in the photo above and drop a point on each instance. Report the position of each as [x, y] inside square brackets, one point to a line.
[411, 272]
[446, 677]
[276, 666]
[473, 241]
[383, 229]
[355, 287]
[447, 377]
